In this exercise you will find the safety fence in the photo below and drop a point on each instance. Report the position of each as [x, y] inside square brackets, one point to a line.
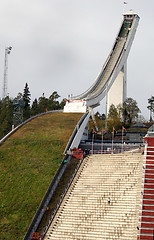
[60, 200]
[114, 151]
[75, 132]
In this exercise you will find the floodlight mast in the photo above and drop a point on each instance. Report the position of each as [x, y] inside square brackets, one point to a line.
[7, 52]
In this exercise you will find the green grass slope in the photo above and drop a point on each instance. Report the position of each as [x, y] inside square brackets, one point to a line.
[29, 160]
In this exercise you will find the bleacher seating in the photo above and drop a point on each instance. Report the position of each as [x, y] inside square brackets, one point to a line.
[103, 200]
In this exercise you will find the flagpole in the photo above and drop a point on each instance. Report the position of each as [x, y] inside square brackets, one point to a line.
[102, 143]
[122, 140]
[124, 4]
[93, 143]
[112, 139]
[106, 107]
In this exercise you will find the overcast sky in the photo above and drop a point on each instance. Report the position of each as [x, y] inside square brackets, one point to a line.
[62, 44]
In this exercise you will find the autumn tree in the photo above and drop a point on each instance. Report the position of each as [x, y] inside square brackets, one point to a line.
[113, 113]
[130, 110]
[113, 118]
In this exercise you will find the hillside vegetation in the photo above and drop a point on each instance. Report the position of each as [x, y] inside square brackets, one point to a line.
[29, 160]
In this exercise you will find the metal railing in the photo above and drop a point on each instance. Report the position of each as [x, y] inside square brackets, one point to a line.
[75, 132]
[115, 151]
[60, 200]
[26, 121]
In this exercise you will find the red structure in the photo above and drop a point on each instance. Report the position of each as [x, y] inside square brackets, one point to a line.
[146, 223]
[36, 236]
[78, 154]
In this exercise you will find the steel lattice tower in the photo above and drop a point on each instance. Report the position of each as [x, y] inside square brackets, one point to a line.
[7, 52]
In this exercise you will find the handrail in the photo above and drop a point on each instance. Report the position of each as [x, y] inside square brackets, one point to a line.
[26, 121]
[116, 151]
[75, 132]
[61, 199]
[91, 89]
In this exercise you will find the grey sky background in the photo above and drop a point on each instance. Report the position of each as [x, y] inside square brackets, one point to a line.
[62, 44]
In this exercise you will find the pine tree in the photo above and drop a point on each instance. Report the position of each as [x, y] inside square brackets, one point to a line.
[26, 99]
[151, 106]
[35, 108]
[6, 115]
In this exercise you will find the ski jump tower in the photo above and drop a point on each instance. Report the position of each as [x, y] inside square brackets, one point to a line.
[111, 82]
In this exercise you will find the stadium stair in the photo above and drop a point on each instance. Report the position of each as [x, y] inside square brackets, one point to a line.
[102, 201]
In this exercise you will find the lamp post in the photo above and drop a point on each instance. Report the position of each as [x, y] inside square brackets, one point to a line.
[7, 52]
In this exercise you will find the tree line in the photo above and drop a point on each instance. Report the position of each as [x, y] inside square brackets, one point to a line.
[13, 111]
[125, 114]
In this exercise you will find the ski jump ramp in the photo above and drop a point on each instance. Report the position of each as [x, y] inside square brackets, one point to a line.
[111, 81]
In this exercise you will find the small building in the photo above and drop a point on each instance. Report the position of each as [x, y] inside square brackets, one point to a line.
[137, 132]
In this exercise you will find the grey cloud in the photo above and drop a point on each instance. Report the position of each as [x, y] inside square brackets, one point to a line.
[61, 45]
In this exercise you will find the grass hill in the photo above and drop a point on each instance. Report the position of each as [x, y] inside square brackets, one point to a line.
[29, 160]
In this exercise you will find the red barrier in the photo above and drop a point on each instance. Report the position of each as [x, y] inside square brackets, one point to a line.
[78, 154]
[36, 236]
[150, 141]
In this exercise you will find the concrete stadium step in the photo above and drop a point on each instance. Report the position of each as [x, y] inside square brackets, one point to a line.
[85, 212]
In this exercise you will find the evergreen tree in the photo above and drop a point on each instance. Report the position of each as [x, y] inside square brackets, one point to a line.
[0, 105]
[18, 105]
[6, 115]
[53, 104]
[26, 99]
[103, 117]
[151, 106]
[35, 107]
[62, 104]
[43, 104]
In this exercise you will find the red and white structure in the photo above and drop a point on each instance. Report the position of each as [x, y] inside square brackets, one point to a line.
[146, 215]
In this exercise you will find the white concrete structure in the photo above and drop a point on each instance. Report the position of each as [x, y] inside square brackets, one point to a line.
[118, 92]
[75, 106]
[112, 77]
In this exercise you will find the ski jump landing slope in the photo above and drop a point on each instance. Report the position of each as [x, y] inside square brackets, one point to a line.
[114, 70]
